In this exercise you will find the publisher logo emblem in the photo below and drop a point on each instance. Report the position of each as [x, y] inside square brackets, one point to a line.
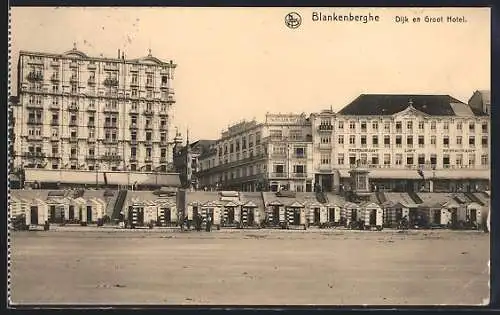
[293, 20]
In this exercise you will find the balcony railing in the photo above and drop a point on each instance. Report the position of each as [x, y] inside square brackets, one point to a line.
[300, 156]
[35, 138]
[148, 112]
[148, 127]
[91, 157]
[279, 155]
[325, 167]
[162, 113]
[55, 138]
[91, 140]
[73, 64]
[163, 159]
[54, 78]
[73, 107]
[148, 143]
[163, 143]
[73, 79]
[73, 139]
[34, 105]
[35, 122]
[278, 175]
[110, 125]
[73, 123]
[110, 82]
[35, 155]
[110, 157]
[299, 175]
[148, 159]
[91, 109]
[133, 126]
[110, 141]
[91, 81]
[35, 76]
[326, 128]
[109, 109]
[133, 158]
[91, 124]
[92, 66]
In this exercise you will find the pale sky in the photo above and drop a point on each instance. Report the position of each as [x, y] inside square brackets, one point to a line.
[239, 63]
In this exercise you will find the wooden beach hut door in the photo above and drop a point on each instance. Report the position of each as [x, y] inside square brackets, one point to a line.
[276, 215]
[436, 216]
[399, 215]
[167, 216]
[331, 215]
[373, 216]
[89, 214]
[140, 216]
[34, 215]
[52, 217]
[473, 215]
[230, 215]
[296, 216]
[71, 214]
[251, 216]
[317, 216]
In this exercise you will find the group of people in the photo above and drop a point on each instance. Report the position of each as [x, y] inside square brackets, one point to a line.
[198, 219]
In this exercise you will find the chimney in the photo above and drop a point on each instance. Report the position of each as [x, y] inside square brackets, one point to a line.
[123, 55]
[118, 53]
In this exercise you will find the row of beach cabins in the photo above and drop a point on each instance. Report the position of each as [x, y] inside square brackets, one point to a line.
[245, 210]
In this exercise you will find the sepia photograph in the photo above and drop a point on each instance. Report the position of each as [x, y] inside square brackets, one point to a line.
[236, 157]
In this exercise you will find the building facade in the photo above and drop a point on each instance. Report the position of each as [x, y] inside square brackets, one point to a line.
[186, 160]
[87, 113]
[407, 142]
[251, 156]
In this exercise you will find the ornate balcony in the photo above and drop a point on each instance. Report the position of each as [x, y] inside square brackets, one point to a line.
[109, 82]
[35, 76]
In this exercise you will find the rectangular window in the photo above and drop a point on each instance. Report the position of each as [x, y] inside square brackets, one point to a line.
[459, 126]
[387, 159]
[341, 139]
[341, 124]
[375, 141]
[387, 141]
[446, 141]
[409, 125]
[387, 126]
[409, 141]
[409, 159]
[446, 125]
[484, 141]
[421, 125]
[398, 126]
[375, 126]
[472, 141]
[340, 159]
[459, 140]
[433, 140]
[421, 141]
[352, 139]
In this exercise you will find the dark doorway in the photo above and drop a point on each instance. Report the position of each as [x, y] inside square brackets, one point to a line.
[34, 215]
[195, 212]
[473, 215]
[140, 216]
[167, 213]
[399, 214]
[71, 214]
[317, 216]
[52, 217]
[327, 183]
[331, 214]
[89, 214]
[80, 214]
[276, 215]
[409, 187]
[436, 216]
[373, 217]
[354, 215]
[296, 217]
[230, 215]
[454, 217]
[62, 211]
[251, 217]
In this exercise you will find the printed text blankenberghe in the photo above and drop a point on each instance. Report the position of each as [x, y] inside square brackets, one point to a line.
[334, 17]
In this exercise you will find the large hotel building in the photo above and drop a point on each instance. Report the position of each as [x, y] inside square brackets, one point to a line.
[405, 142]
[78, 112]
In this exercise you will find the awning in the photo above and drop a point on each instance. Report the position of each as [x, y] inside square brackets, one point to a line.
[250, 204]
[100, 177]
[296, 204]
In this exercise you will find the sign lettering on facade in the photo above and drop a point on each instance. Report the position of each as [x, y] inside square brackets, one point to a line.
[363, 150]
[459, 150]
